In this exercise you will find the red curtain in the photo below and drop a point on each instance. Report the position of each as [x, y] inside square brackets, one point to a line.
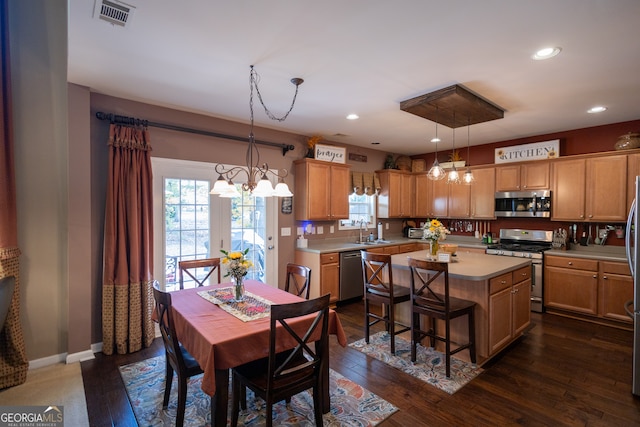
[127, 296]
[13, 358]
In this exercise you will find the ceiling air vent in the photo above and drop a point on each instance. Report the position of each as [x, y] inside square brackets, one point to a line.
[114, 12]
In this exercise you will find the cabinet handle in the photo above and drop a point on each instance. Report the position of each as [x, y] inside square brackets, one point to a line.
[590, 216]
[570, 263]
[503, 282]
[604, 277]
[595, 276]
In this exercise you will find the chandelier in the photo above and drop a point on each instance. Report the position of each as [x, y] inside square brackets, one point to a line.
[436, 172]
[257, 182]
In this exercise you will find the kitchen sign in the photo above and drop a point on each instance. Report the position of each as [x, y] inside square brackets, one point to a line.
[329, 153]
[536, 151]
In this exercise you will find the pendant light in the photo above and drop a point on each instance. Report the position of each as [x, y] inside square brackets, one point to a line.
[436, 172]
[468, 177]
[453, 177]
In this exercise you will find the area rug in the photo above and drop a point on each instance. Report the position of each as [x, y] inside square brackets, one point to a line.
[429, 366]
[351, 405]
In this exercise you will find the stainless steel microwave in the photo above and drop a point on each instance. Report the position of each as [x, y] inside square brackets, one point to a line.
[523, 204]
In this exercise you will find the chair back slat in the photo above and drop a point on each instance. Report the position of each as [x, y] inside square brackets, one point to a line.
[423, 281]
[298, 280]
[377, 273]
[191, 267]
[165, 324]
[283, 327]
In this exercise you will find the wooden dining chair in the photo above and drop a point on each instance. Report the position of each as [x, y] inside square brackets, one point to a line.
[177, 358]
[432, 298]
[380, 289]
[7, 284]
[298, 280]
[283, 375]
[191, 267]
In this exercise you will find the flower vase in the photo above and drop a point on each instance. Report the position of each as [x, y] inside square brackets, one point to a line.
[434, 248]
[238, 288]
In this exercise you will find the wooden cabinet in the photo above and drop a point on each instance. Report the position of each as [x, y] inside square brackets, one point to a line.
[524, 177]
[396, 197]
[591, 189]
[458, 202]
[322, 190]
[509, 307]
[325, 269]
[330, 275]
[614, 290]
[595, 289]
[633, 170]
[482, 204]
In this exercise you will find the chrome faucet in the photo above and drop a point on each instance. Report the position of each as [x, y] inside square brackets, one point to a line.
[361, 223]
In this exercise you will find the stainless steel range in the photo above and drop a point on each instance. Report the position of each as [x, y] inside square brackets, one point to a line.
[526, 244]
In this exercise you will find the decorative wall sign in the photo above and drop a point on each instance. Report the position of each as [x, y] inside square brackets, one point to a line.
[358, 157]
[536, 151]
[329, 153]
[286, 205]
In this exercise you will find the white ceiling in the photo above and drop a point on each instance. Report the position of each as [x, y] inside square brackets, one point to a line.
[364, 57]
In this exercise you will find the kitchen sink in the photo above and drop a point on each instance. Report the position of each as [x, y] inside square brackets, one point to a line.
[375, 242]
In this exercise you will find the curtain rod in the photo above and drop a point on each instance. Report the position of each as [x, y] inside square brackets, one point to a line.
[113, 118]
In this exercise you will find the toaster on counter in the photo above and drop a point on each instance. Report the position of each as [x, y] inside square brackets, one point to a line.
[415, 233]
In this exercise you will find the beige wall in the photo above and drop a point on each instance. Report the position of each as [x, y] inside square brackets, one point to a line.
[38, 37]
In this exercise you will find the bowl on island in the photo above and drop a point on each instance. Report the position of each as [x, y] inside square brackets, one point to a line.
[449, 247]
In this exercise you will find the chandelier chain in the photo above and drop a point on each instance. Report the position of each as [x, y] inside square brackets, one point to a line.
[255, 78]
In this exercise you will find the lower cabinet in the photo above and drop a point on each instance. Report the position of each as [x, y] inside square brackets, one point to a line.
[588, 287]
[509, 307]
[325, 273]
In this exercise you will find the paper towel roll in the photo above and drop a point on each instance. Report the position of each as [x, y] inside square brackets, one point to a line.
[379, 231]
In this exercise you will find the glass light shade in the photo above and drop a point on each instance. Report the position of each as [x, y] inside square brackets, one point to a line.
[436, 172]
[220, 186]
[263, 189]
[282, 190]
[231, 192]
[453, 177]
[468, 177]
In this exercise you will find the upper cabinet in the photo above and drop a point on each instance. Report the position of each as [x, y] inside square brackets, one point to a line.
[590, 189]
[482, 204]
[396, 197]
[322, 190]
[525, 177]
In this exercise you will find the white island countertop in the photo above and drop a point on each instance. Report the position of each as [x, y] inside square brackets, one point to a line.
[468, 265]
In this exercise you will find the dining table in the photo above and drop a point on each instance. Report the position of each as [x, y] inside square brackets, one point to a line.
[221, 334]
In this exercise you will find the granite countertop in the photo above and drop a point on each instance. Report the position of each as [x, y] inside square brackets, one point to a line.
[337, 245]
[604, 253]
[469, 265]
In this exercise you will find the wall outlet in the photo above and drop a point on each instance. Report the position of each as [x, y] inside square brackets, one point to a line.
[320, 229]
[308, 229]
[299, 231]
[386, 225]
[332, 229]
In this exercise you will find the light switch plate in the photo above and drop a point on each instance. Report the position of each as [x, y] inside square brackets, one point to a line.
[285, 231]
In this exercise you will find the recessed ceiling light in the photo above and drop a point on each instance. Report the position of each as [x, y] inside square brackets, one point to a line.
[546, 53]
[353, 117]
[436, 139]
[596, 109]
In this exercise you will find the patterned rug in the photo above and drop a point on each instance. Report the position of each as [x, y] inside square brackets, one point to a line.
[351, 405]
[429, 366]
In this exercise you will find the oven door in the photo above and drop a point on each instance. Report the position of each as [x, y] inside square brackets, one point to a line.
[537, 302]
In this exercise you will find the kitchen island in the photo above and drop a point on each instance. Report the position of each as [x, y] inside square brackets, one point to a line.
[501, 288]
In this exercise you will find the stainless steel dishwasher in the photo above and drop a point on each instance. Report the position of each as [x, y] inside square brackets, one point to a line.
[351, 285]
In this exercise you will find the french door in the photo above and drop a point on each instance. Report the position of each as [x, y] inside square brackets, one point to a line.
[189, 223]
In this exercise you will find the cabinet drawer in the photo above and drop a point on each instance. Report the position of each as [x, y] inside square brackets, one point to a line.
[329, 258]
[522, 274]
[501, 282]
[574, 263]
[615, 267]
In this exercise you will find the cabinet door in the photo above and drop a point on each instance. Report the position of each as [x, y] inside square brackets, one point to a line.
[339, 192]
[606, 192]
[396, 195]
[568, 187]
[459, 200]
[633, 166]
[311, 181]
[407, 196]
[499, 319]
[330, 275]
[483, 194]
[615, 291]
[508, 178]
[535, 176]
[521, 306]
[439, 199]
[573, 290]
[422, 206]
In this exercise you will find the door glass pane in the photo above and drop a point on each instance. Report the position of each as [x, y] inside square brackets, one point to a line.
[248, 230]
[187, 226]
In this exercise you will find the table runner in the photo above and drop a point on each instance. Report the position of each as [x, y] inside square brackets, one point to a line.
[253, 307]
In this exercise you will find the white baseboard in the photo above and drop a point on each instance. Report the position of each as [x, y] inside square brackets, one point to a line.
[80, 356]
[66, 357]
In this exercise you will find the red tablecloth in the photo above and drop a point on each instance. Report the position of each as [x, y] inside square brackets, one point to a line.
[218, 340]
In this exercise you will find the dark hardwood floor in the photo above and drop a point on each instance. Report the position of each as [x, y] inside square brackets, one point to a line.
[563, 372]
